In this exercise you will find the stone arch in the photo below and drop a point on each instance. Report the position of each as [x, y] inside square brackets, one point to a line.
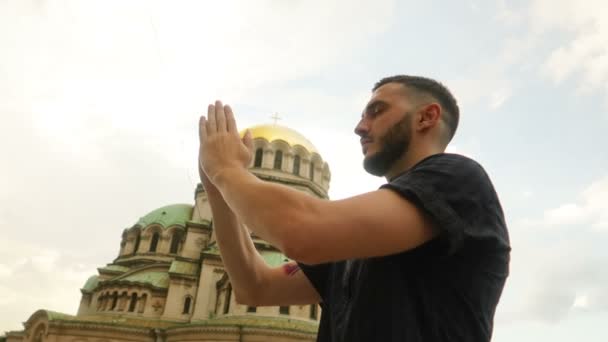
[258, 157]
[187, 304]
[154, 240]
[135, 236]
[315, 163]
[142, 303]
[133, 302]
[264, 145]
[39, 332]
[296, 165]
[148, 234]
[114, 301]
[176, 235]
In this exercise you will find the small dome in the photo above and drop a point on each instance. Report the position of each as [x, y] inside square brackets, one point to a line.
[175, 214]
[91, 284]
[277, 132]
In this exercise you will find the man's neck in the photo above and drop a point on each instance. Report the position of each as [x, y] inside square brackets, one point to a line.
[411, 158]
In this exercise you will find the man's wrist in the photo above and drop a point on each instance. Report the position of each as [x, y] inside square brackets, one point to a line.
[228, 175]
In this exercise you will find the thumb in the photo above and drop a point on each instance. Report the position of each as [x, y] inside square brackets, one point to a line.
[248, 140]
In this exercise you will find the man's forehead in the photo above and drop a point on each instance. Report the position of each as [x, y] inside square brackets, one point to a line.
[388, 91]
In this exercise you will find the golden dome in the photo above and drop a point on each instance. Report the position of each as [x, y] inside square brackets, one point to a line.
[276, 132]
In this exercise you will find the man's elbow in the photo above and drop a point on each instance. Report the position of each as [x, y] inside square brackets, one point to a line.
[302, 250]
[246, 298]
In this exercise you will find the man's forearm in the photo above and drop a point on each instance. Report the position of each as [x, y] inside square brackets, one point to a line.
[243, 263]
[273, 212]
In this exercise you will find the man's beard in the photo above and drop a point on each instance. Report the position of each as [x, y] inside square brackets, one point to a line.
[395, 144]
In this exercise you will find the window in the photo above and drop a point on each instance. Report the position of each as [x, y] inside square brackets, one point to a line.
[114, 300]
[154, 242]
[296, 165]
[311, 171]
[258, 158]
[133, 302]
[137, 239]
[142, 303]
[284, 310]
[175, 241]
[278, 160]
[227, 299]
[313, 311]
[187, 303]
[252, 309]
[100, 300]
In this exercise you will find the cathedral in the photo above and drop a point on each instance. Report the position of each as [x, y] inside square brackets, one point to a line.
[168, 282]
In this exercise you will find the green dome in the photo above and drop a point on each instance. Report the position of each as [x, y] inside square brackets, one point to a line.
[175, 214]
[91, 283]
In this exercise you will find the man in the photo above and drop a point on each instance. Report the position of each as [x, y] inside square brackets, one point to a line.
[424, 258]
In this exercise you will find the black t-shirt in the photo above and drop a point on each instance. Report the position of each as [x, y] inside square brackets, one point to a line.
[445, 290]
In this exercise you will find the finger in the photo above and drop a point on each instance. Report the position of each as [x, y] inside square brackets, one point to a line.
[220, 116]
[248, 140]
[230, 121]
[211, 126]
[202, 129]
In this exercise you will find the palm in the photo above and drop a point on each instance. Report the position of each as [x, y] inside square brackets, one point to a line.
[221, 148]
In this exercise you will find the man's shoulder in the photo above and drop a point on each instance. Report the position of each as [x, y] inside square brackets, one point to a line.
[443, 166]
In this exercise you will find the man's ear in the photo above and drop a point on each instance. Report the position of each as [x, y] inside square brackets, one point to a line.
[429, 116]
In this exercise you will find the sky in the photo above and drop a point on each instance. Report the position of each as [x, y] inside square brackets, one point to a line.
[99, 104]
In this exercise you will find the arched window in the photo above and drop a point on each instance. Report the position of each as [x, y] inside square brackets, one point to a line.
[137, 239]
[296, 165]
[106, 301]
[284, 310]
[187, 303]
[133, 302]
[176, 239]
[278, 160]
[313, 311]
[227, 299]
[114, 300]
[142, 303]
[154, 242]
[311, 171]
[257, 162]
[100, 302]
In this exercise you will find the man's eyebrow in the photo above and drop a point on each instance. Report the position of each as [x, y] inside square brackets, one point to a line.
[373, 104]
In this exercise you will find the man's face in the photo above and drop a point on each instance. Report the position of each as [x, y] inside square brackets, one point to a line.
[385, 128]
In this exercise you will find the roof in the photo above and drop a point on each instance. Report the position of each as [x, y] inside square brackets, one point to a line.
[277, 132]
[170, 215]
[183, 267]
[154, 278]
[113, 269]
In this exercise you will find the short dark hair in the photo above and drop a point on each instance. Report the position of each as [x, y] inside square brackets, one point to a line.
[436, 90]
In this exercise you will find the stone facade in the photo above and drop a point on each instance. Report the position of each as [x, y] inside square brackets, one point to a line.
[168, 282]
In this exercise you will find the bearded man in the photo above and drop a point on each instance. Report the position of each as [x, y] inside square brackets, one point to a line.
[423, 258]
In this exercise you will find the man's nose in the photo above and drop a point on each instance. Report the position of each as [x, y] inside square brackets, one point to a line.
[362, 127]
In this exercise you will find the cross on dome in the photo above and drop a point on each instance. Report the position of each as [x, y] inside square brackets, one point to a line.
[275, 117]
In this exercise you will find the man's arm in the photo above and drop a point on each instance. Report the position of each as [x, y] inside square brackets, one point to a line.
[305, 228]
[254, 283]
[313, 230]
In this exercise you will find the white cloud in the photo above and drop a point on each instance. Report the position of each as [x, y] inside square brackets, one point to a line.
[35, 277]
[583, 57]
[590, 209]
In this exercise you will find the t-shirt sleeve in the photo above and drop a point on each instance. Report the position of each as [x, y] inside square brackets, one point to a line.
[318, 275]
[459, 197]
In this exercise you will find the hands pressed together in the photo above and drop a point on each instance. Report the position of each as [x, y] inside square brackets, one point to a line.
[221, 147]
